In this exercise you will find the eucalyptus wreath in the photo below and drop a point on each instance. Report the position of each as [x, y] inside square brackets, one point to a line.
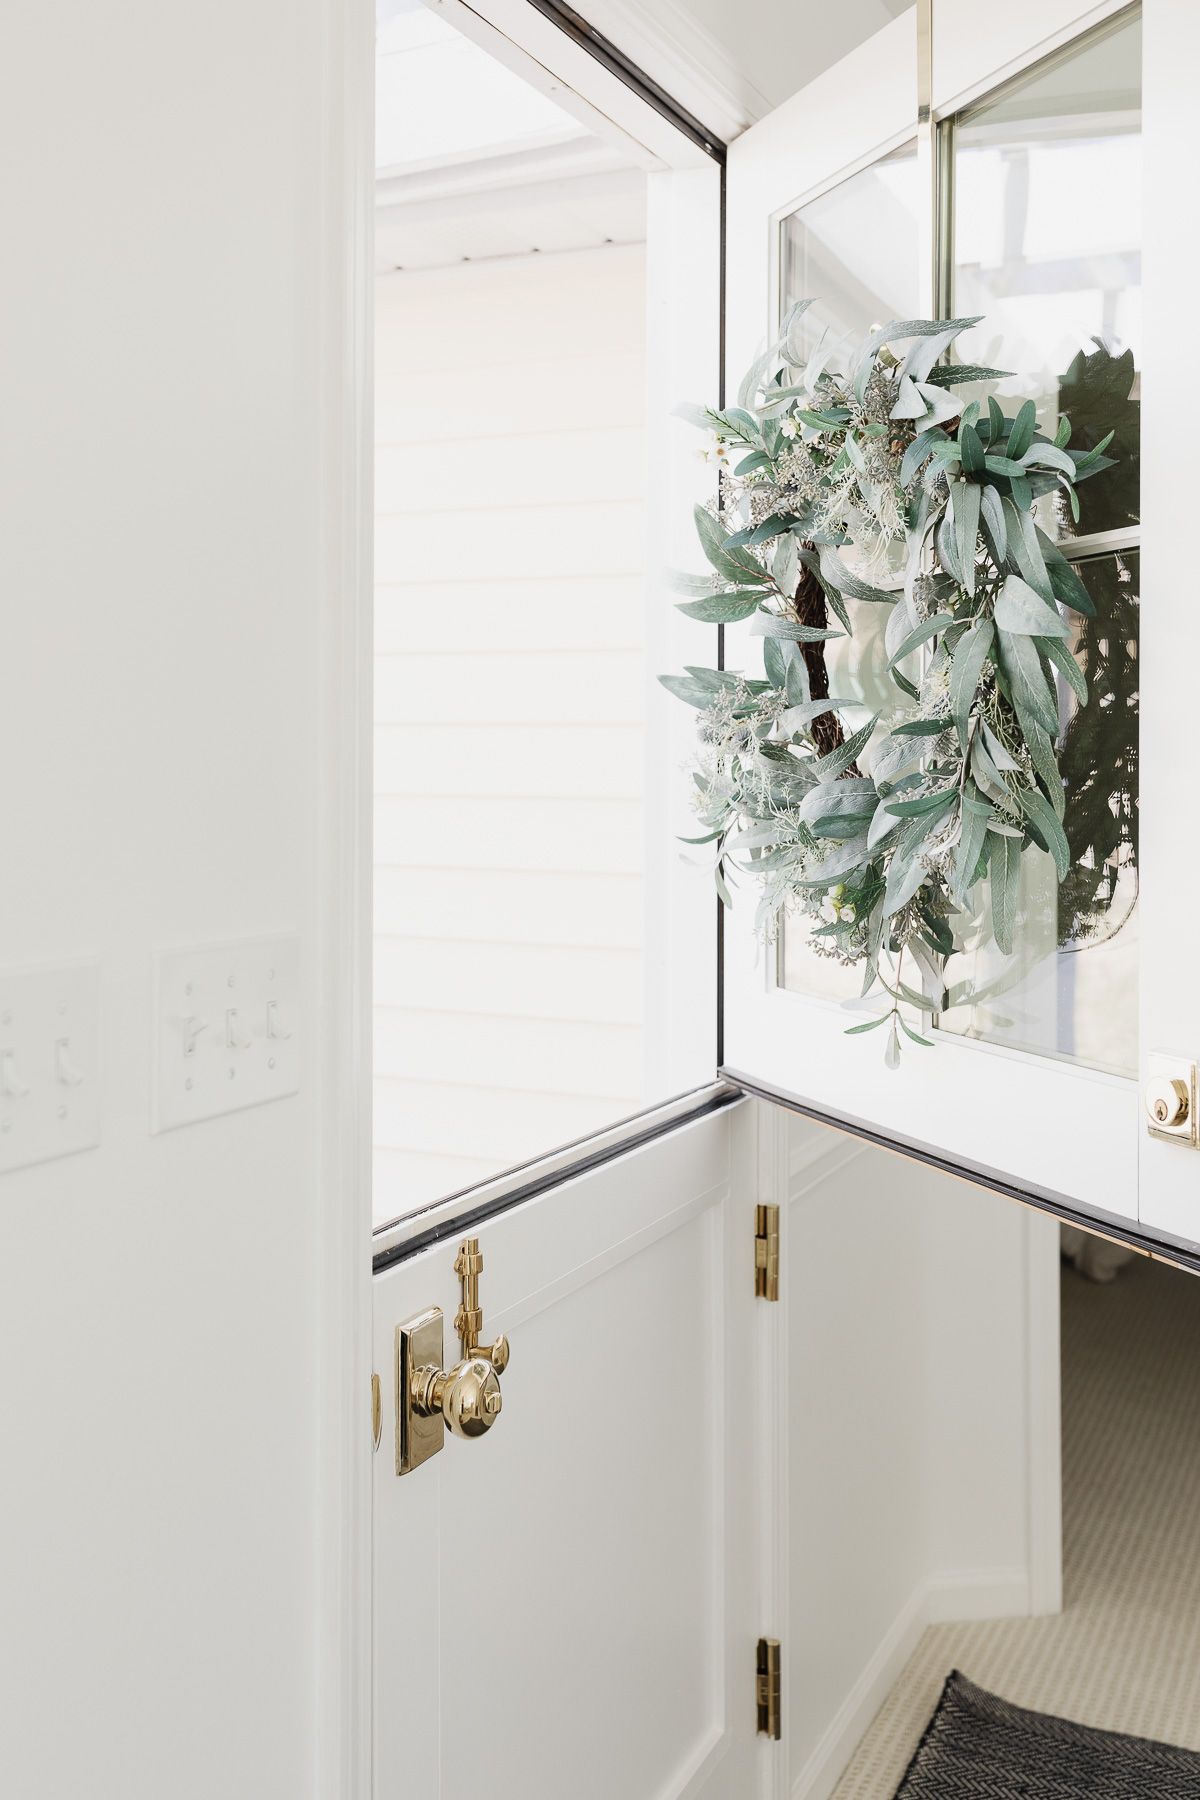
[881, 487]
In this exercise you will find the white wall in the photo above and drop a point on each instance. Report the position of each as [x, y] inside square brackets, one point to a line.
[164, 741]
[509, 747]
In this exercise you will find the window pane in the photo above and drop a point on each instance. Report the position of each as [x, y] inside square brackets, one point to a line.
[1047, 222]
[1070, 990]
[853, 252]
[536, 979]
[1047, 246]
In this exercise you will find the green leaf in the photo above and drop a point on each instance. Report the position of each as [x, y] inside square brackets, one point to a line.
[966, 669]
[871, 1025]
[966, 529]
[1003, 465]
[1047, 456]
[910, 1033]
[737, 565]
[777, 654]
[1025, 550]
[1062, 659]
[921, 634]
[1022, 493]
[918, 450]
[1023, 668]
[1039, 810]
[967, 853]
[952, 374]
[920, 728]
[689, 689]
[1045, 762]
[772, 625]
[837, 760]
[992, 510]
[1065, 584]
[1004, 863]
[1019, 610]
[905, 875]
[835, 572]
[720, 609]
[937, 804]
[970, 448]
[1023, 428]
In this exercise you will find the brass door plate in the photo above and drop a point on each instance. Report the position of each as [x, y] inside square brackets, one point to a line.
[418, 1345]
[1169, 1098]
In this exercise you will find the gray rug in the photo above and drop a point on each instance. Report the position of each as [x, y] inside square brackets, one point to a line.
[979, 1747]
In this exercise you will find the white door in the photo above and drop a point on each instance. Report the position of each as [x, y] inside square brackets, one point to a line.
[569, 1603]
[1023, 204]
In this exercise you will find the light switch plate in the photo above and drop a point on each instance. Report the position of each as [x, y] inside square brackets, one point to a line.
[226, 1028]
[49, 1054]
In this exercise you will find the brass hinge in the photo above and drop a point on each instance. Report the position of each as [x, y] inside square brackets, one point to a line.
[766, 1252]
[769, 1687]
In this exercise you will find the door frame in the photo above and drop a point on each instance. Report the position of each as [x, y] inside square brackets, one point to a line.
[546, 45]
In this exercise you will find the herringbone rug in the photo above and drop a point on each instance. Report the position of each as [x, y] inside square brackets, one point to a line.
[979, 1747]
[1124, 1654]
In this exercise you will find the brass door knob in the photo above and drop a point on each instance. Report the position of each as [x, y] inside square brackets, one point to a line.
[1167, 1101]
[467, 1396]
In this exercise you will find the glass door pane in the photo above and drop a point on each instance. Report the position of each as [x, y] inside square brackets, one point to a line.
[1047, 234]
[851, 250]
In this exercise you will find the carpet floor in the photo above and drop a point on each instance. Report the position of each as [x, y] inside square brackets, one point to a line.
[1124, 1654]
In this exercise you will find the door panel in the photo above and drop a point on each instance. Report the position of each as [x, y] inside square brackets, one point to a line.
[1065, 1128]
[565, 1605]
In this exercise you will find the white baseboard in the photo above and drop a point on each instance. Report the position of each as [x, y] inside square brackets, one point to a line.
[967, 1594]
[955, 1594]
[821, 1773]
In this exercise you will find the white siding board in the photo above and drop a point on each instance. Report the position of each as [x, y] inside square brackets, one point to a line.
[556, 1056]
[465, 405]
[501, 1126]
[599, 762]
[525, 981]
[604, 910]
[570, 835]
[552, 467]
[604, 687]
[542, 612]
[510, 542]
[511, 683]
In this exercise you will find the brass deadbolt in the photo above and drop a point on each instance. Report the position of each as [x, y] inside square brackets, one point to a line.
[1167, 1100]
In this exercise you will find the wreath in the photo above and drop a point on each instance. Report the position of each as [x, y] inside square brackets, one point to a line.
[881, 487]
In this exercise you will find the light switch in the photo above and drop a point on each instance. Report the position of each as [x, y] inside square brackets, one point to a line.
[49, 1049]
[217, 1046]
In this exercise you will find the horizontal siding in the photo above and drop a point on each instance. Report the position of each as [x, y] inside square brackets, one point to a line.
[551, 467]
[404, 1179]
[539, 613]
[522, 981]
[570, 393]
[553, 1056]
[591, 761]
[606, 687]
[511, 312]
[603, 910]
[501, 1126]
[510, 542]
[567, 835]
[511, 687]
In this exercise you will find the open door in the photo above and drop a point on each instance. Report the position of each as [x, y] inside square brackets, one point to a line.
[1008, 186]
[583, 1599]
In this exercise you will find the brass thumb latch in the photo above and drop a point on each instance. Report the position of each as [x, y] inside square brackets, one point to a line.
[430, 1397]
